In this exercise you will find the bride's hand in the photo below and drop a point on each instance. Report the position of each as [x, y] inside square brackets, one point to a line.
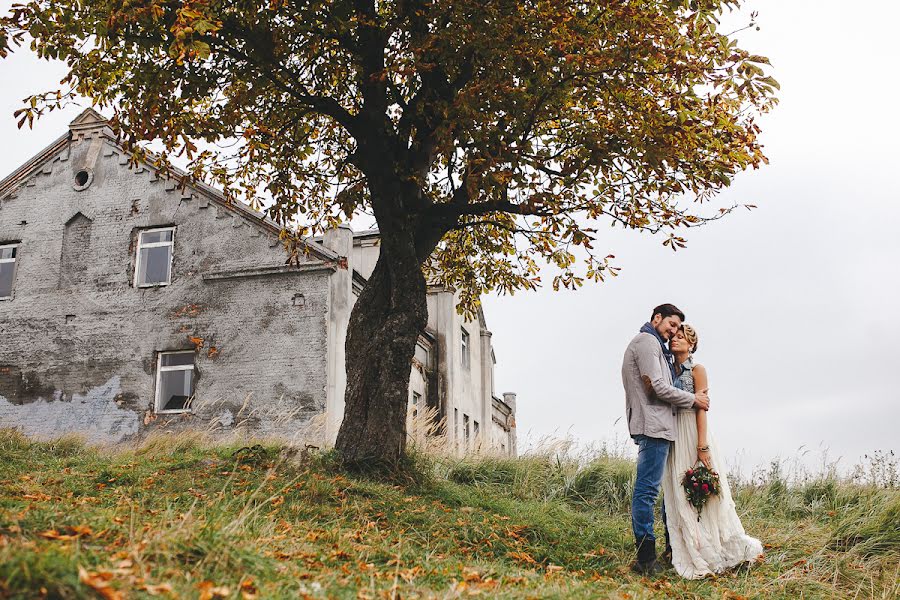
[705, 457]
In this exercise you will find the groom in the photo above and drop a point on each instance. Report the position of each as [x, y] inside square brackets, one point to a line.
[651, 401]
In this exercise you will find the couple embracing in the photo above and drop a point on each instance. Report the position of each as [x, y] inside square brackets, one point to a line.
[666, 398]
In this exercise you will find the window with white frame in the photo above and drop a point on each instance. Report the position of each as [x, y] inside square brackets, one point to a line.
[7, 269]
[174, 381]
[465, 348]
[154, 257]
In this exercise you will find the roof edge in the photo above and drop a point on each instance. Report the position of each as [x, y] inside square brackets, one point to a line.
[90, 119]
[25, 170]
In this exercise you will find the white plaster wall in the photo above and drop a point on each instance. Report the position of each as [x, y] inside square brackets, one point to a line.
[341, 301]
[364, 256]
[463, 385]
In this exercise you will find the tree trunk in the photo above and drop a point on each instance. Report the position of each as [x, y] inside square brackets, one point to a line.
[384, 326]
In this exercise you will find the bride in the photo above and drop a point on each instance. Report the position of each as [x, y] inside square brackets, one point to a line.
[717, 540]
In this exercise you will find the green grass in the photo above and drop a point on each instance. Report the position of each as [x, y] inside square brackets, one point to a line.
[183, 519]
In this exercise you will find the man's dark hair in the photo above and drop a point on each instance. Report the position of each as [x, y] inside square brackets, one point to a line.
[667, 310]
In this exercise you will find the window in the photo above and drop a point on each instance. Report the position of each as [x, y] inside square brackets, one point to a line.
[466, 427]
[475, 429]
[417, 397]
[7, 269]
[465, 348]
[456, 427]
[174, 381]
[154, 257]
[421, 354]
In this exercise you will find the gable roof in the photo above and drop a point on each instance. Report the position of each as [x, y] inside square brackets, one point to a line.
[92, 123]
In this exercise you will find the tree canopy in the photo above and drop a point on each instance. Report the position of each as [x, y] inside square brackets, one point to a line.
[488, 138]
[518, 125]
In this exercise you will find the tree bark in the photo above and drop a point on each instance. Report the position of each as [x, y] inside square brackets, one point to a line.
[384, 326]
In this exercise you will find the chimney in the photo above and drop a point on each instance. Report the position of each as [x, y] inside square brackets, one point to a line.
[88, 124]
[339, 240]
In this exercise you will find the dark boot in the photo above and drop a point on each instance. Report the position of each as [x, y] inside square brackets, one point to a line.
[646, 563]
[666, 557]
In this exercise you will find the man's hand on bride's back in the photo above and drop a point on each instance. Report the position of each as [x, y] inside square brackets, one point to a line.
[701, 399]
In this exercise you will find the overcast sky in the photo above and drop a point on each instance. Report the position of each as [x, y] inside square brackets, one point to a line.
[796, 303]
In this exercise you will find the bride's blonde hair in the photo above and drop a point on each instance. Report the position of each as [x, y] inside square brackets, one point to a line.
[690, 334]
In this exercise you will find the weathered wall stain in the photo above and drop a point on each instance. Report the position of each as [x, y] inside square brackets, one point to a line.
[94, 414]
[78, 324]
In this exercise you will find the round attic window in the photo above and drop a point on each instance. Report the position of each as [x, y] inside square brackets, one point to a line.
[83, 179]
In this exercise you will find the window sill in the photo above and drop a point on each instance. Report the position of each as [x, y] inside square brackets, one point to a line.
[173, 412]
[152, 285]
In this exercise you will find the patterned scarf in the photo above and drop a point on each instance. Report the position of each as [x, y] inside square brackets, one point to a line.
[670, 358]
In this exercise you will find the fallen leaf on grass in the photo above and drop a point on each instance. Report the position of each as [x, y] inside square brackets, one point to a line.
[68, 533]
[554, 568]
[522, 557]
[36, 496]
[209, 590]
[156, 590]
[99, 582]
[248, 590]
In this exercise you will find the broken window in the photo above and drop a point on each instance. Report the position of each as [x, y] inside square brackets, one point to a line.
[466, 429]
[416, 398]
[174, 381]
[7, 269]
[465, 348]
[154, 257]
[421, 354]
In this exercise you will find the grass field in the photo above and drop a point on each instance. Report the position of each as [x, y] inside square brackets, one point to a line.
[181, 518]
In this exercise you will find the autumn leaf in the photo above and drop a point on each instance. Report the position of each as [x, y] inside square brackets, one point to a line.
[522, 557]
[156, 590]
[37, 496]
[71, 533]
[99, 582]
[248, 590]
[209, 590]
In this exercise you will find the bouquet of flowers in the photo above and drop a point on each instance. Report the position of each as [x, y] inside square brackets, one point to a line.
[700, 484]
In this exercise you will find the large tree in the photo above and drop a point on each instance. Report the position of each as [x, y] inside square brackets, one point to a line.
[487, 137]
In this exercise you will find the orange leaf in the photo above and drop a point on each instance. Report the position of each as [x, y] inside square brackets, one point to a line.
[99, 582]
[156, 590]
[209, 590]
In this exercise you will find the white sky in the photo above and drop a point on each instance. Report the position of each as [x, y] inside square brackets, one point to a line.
[796, 302]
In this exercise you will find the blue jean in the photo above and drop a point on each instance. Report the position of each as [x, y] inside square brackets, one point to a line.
[651, 462]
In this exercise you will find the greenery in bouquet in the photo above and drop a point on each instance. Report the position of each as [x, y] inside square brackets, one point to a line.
[700, 484]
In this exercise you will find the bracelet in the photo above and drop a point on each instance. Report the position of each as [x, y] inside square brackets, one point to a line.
[703, 448]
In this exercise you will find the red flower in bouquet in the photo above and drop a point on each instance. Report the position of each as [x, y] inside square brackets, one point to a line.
[700, 484]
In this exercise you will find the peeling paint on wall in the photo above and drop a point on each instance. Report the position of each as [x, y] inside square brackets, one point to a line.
[95, 415]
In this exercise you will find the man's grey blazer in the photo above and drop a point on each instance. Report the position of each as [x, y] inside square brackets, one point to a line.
[650, 398]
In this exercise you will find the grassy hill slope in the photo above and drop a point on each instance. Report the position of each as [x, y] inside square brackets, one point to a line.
[182, 519]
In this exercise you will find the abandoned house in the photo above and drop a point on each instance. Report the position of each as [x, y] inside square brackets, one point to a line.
[130, 303]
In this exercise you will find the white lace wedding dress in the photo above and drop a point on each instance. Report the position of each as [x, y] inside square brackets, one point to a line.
[717, 541]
